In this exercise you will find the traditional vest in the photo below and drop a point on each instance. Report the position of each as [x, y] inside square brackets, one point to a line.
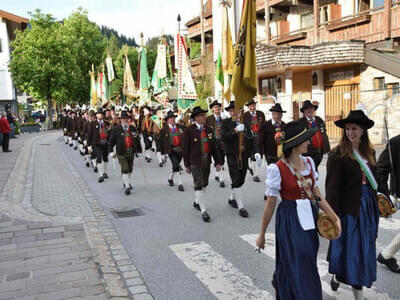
[290, 188]
[175, 137]
[217, 129]
[255, 127]
[103, 132]
[205, 145]
[317, 141]
[128, 141]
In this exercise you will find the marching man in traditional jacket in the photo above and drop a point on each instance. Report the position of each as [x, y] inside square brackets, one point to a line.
[215, 122]
[255, 119]
[238, 165]
[63, 124]
[98, 142]
[198, 146]
[319, 142]
[147, 132]
[171, 136]
[269, 133]
[123, 137]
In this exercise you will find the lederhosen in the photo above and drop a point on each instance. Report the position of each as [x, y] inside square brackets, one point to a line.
[175, 139]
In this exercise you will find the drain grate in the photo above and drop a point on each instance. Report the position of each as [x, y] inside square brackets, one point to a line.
[136, 212]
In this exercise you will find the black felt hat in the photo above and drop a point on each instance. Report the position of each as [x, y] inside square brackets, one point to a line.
[215, 102]
[252, 101]
[308, 104]
[170, 114]
[295, 134]
[230, 106]
[356, 117]
[197, 110]
[277, 108]
[124, 115]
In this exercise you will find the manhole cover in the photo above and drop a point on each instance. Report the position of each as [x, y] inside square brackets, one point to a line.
[136, 212]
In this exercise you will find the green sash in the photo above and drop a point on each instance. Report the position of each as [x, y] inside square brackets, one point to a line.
[366, 170]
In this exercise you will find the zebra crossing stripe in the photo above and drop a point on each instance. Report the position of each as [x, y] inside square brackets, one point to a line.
[222, 278]
[323, 266]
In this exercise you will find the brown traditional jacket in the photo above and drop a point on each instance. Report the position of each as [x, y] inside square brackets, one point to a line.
[192, 152]
[320, 126]
[166, 138]
[267, 138]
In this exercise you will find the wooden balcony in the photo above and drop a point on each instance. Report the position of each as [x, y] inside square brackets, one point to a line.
[291, 37]
[348, 21]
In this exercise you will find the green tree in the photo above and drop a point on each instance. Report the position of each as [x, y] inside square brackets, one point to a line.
[87, 46]
[39, 60]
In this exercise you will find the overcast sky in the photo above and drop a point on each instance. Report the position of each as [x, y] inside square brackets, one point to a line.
[129, 17]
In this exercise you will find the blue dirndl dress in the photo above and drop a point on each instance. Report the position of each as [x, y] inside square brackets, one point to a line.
[352, 257]
[296, 272]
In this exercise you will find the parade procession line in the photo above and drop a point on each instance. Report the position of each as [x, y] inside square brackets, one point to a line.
[56, 242]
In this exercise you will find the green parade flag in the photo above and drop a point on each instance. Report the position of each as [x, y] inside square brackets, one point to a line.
[144, 78]
[219, 73]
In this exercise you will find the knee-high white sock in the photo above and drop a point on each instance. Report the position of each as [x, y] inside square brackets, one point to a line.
[159, 157]
[219, 174]
[147, 153]
[65, 139]
[179, 177]
[200, 199]
[171, 175]
[94, 162]
[358, 294]
[100, 166]
[75, 142]
[70, 140]
[105, 164]
[196, 196]
[125, 180]
[232, 196]
[130, 178]
[392, 248]
[87, 157]
[238, 197]
[255, 168]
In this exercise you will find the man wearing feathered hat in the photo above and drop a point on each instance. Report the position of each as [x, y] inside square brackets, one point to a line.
[198, 146]
[171, 136]
[319, 142]
[231, 129]
[123, 138]
[255, 119]
[215, 122]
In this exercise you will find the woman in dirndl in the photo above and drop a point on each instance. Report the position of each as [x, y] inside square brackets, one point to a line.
[295, 179]
[351, 191]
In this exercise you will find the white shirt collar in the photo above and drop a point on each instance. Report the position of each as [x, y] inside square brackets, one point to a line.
[217, 117]
[198, 125]
[171, 126]
[310, 120]
[273, 122]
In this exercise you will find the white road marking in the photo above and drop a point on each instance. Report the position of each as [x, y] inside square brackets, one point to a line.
[222, 278]
[323, 266]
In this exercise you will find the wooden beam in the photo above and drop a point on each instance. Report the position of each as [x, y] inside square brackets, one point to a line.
[387, 19]
[316, 21]
[267, 17]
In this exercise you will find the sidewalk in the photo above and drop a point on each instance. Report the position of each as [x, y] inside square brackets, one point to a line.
[56, 241]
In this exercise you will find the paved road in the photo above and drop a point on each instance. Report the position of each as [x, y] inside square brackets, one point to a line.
[181, 257]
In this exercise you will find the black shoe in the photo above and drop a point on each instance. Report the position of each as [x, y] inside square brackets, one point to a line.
[391, 263]
[251, 171]
[87, 164]
[233, 203]
[334, 284]
[105, 175]
[196, 206]
[75, 148]
[265, 198]
[127, 191]
[206, 217]
[130, 187]
[95, 169]
[66, 143]
[71, 145]
[7, 151]
[180, 188]
[256, 179]
[221, 184]
[217, 178]
[171, 182]
[160, 165]
[243, 213]
[153, 150]
[101, 179]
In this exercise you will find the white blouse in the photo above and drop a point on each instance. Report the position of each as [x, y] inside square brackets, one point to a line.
[273, 181]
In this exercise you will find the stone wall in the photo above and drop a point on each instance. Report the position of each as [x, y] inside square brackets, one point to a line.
[377, 102]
